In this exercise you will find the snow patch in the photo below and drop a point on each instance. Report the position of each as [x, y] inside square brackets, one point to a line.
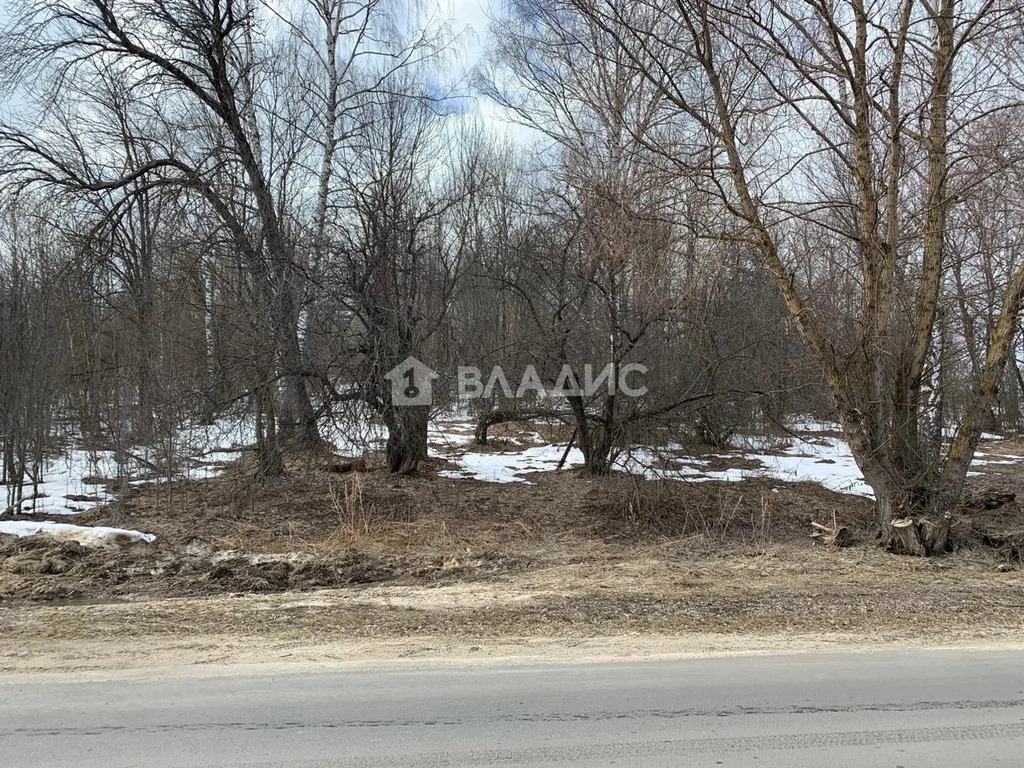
[85, 535]
[65, 477]
[510, 467]
[826, 461]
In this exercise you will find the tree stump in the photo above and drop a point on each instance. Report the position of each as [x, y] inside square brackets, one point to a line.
[919, 536]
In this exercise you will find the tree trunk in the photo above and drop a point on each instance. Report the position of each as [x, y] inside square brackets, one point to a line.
[270, 462]
[407, 437]
[297, 420]
[592, 438]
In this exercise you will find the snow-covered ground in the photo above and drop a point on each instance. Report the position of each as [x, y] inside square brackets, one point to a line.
[815, 456]
[83, 534]
[76, 481]
[823, 460]
[64, 490]
[194, 452]
[509, 467]
[447, 435]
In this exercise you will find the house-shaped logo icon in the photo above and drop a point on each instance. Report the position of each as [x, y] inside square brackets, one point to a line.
[412, 383]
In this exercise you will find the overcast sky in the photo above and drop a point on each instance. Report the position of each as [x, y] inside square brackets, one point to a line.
[470, 19]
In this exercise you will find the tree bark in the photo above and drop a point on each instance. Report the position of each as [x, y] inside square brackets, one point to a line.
[407, 437]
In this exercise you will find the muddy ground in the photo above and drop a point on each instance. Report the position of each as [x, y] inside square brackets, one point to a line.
[367, 559]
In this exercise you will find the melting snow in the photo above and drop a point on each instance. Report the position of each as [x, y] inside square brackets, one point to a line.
[194, 452]
[509, 467]
[85, 535]
[66, 477]
[200, 451]
[823, 460]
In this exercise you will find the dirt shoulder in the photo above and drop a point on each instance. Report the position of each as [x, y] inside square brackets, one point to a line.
[644, 608]
[363, 567]
[217, 655]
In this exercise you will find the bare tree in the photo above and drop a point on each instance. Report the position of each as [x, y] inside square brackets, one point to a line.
[617, 274]
[854, 122]
[201, 52]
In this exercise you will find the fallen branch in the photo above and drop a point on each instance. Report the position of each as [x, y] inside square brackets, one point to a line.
[832, 536]
[488, 420]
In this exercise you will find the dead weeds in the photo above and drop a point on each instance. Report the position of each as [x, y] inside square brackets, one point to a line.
[567, 554]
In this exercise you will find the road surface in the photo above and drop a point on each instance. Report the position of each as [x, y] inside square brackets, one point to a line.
[897, 709]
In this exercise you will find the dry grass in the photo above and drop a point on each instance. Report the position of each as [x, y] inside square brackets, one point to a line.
[568, 554]
[862, 593]
[363, 522]
[753, 514]
[430, 561]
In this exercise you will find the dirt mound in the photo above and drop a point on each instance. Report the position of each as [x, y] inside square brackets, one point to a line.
[319, 527]
[40, 554]
[755, 512]
[48, 568]
[248, 574]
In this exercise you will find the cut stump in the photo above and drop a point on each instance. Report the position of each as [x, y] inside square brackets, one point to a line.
[918, 536]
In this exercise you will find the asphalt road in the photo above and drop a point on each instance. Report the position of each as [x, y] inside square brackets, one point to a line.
[864, 710]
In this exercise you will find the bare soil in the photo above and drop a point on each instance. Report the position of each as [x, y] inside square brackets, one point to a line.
[322, 565]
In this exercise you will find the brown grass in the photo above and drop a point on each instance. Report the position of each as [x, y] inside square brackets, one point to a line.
[567, 554]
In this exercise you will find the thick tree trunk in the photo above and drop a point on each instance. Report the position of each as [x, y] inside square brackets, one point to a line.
[593, 439]
[297, 419]
[913, 506]
[298, 425]
[603, 445]
[596, 446]
[407, 437]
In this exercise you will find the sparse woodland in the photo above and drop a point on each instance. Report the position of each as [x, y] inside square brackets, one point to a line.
[782, 208]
